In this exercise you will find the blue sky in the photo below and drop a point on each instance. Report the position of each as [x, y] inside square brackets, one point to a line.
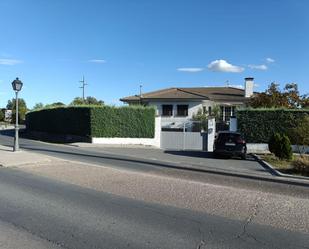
[119, 45]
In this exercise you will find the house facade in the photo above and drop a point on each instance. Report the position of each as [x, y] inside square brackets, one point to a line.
[178, 105]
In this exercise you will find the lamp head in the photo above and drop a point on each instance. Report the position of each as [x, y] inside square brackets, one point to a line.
[17, 85]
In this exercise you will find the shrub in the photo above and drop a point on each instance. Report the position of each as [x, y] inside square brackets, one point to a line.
[301, 165]
[285, 148]
[280, 146]
[258, 125]
[94, 121]
[300, 133]
[274, 142]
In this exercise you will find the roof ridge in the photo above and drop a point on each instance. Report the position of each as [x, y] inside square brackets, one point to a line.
[197, 94]
[162, 90]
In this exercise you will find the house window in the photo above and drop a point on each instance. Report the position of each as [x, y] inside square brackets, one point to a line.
[209, 110]
[182, 110]
[167, 110]
[227, 113]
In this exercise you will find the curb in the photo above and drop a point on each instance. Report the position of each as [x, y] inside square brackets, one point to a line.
[197, 168]
[275, 172]
[266, 165]
[275, 177]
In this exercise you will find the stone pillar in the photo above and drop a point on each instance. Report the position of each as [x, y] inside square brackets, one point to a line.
[211, 134]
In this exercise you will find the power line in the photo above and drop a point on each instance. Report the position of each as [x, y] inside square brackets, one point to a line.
[83, 86]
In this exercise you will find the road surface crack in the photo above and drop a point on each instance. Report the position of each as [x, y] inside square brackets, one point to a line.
[249, 220]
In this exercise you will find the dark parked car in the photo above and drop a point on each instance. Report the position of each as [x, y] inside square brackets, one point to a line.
[229, 143]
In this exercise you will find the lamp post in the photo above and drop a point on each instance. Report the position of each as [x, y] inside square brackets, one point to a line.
[17, 85]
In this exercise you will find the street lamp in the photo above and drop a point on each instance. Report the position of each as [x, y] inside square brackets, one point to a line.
[17, 85]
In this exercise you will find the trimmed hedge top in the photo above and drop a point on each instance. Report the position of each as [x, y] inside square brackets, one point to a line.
[258, 125]
[95, 121]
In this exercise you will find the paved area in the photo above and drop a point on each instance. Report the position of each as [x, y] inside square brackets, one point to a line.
[203, 160]
[69, 216]
[9, 158]
[120, 207]
[221, 200]
[12, 237]
[189, 192]
[141, 159]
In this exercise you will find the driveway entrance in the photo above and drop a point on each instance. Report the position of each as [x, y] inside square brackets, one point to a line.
[193, 135]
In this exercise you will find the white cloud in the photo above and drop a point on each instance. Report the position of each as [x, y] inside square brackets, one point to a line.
[97, 61]
[270, 60]
[258, 67]
[224, 66]
[9, 62]
[190, 69]
[237, 86]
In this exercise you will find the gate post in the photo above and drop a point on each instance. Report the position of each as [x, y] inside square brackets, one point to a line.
[211, 134]
[184, 137]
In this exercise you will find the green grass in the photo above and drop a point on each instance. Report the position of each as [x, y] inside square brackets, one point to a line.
[284, 166]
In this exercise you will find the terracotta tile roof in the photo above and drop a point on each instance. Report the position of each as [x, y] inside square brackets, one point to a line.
[192, 93]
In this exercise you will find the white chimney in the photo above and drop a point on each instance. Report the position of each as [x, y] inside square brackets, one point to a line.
[249, 87]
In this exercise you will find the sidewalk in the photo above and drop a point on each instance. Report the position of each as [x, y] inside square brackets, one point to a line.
[191, 159]
[8, 158]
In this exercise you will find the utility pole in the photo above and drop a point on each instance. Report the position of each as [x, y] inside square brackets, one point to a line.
[83, 86]
[140, 94]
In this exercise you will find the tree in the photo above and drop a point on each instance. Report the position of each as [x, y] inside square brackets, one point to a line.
[22, 109]
[216, 112]
[94, 101]
[55, 104]
[202, 118]
[292, 96]
[305, 101]
[88, 101]
[273, 97]
[38, 106]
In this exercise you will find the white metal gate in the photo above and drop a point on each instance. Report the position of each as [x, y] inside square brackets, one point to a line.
[193, 135]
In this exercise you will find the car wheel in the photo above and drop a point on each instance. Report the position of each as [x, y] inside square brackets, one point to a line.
[216, 155]
[244, 156]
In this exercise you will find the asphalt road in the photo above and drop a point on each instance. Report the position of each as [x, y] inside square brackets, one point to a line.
[68, 216]
[50, 214]
[132, 162]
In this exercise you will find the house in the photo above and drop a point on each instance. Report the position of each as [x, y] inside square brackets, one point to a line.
[7, 114]
[178, 105]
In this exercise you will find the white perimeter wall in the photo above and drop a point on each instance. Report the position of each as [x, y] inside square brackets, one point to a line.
[263, 148]
[133, 141]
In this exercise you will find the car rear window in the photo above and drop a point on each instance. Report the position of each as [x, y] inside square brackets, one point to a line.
[228, 136]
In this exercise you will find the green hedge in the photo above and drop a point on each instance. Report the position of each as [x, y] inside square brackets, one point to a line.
[95, 121]
[258, 125]
[71, 120]
[128, 121]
